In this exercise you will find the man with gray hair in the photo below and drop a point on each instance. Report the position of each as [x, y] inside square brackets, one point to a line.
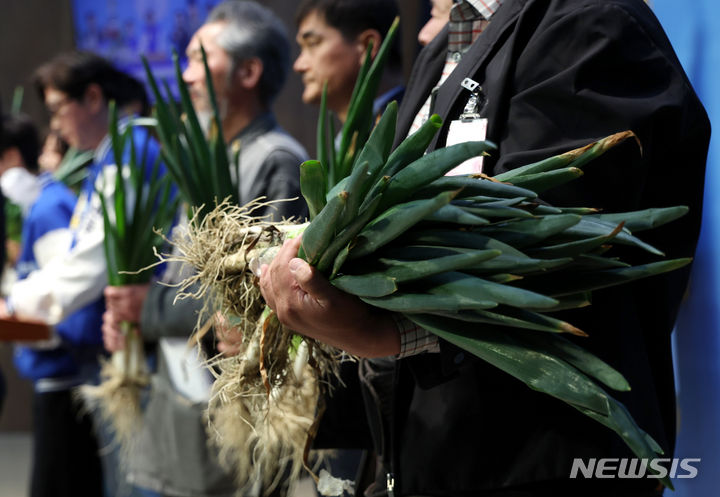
[247, 53]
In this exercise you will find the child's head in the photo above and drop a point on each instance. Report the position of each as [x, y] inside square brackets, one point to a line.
[19, 144]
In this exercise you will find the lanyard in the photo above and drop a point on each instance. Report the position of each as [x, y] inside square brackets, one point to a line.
[88, 188]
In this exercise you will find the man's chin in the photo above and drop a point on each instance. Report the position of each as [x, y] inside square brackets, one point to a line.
[200, 102]
[201, 106]
[311, 97]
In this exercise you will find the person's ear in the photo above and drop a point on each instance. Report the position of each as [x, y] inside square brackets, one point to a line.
[94, 99]
[364, 39]
[248, 73]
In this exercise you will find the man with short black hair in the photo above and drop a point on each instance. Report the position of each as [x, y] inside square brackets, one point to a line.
[333, 36]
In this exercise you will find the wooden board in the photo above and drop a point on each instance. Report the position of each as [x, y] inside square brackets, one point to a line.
[14, 330]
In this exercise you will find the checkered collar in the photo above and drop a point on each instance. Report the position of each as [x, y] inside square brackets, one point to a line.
[485, 8]
[467, 19]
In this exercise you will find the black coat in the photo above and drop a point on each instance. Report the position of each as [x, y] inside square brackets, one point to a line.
[558, 74]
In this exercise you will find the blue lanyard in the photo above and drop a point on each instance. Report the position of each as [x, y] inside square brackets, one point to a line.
[88, 188]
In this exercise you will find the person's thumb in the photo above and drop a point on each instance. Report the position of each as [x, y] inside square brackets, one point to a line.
[308, 279]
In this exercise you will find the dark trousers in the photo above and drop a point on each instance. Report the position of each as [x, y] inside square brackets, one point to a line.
[66, 462]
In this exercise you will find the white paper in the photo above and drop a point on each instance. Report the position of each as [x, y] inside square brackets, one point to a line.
[466, 131]
[188, 375]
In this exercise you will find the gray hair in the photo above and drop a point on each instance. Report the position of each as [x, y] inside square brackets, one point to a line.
[254, 31]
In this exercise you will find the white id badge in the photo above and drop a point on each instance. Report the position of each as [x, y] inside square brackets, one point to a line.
[466, 130]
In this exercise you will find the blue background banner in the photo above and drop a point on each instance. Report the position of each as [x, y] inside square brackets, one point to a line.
[694, 30]
[123, 31]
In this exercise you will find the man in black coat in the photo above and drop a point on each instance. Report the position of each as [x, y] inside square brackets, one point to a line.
[552, 75]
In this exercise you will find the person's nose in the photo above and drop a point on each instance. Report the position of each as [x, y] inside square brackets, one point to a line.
[300, 65]
[190, 73]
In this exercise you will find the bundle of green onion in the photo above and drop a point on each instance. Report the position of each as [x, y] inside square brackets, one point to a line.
[143, 207]
[197, 159]
[360, 119]
[208, 178]
[481, 262]
[264, 401]
[473, 260]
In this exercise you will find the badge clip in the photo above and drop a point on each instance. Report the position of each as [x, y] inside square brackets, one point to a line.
[475, 102]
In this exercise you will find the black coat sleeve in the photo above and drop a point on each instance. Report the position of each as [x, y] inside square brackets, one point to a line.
[595, 71]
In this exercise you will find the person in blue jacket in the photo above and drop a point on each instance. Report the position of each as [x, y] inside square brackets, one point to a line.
[65, 450]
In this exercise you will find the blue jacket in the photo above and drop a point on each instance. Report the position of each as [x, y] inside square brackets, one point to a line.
[79, 333]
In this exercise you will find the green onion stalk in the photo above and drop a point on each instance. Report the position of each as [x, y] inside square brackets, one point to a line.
[17, 100]
[141, 209]
[197, 159]
[13, 221]
[72, 169]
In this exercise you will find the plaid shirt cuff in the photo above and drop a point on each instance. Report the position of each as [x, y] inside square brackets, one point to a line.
[414, 339]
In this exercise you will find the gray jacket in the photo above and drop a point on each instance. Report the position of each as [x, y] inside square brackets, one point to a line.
[270, 166]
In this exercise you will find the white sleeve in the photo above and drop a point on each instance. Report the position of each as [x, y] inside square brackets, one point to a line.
[71, 280]
[52, 244]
